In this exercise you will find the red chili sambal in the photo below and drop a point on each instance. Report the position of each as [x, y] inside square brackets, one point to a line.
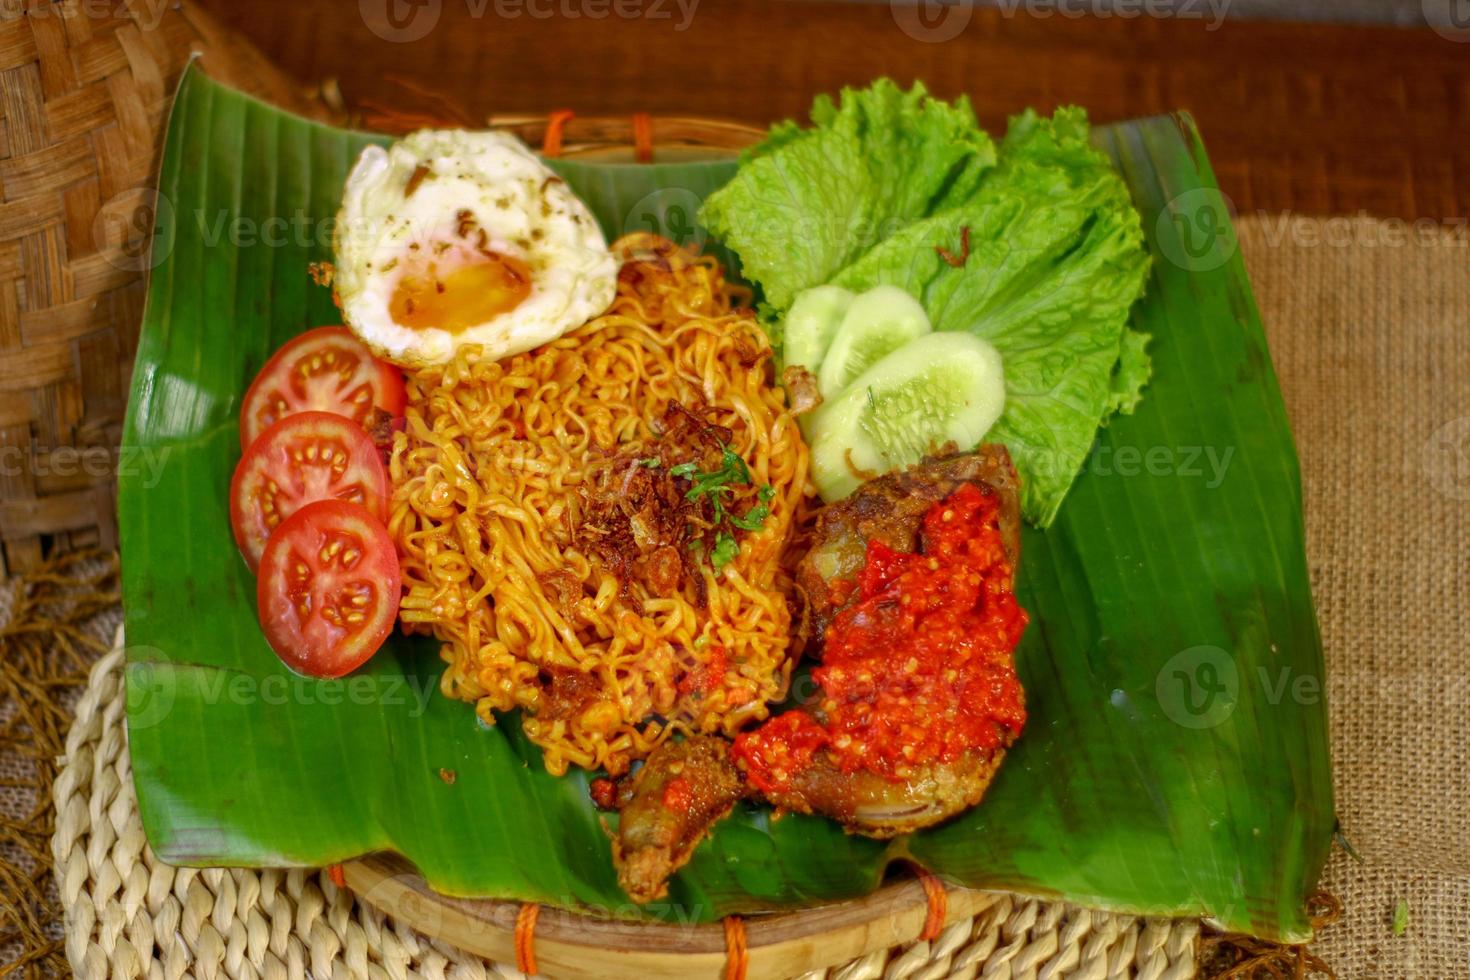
[604, 793]
[919, 668]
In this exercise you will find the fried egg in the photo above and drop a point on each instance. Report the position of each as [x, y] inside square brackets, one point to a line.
[451, 237]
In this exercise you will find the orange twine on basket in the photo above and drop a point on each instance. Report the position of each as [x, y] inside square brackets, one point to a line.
[737, 957]
[334, 872]
[525, 939]
[938, 900]
[551, 142]
[642, 137]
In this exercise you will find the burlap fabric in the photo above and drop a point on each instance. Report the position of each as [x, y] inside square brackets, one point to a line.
[1370, 331]
[1369, 325]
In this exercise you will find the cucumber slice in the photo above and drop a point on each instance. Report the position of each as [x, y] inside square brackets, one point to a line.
[810, 324]
[877, 323]
[939, 389]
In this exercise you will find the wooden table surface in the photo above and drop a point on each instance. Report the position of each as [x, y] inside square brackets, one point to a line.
[1316, 118]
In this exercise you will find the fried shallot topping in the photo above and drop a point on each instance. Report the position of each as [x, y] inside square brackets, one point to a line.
[638, 518]
[801, 389]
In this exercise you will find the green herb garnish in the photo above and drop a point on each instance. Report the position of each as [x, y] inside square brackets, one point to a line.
[732, 470]
[725, 550]
[753, 519]
[713, 485]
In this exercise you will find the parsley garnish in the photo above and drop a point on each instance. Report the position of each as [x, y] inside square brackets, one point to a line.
[732, 470]
[713, 485]
[726, 548]
[753, 518]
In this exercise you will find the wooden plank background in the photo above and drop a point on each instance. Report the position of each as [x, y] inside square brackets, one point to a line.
[1320, 118]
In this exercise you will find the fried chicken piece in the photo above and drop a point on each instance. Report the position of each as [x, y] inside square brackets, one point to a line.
[683, 789]
[870, 805]
[891, 509]
[656, 838]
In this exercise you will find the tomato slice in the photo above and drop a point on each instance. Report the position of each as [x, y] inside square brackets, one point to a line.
[323, 370]
[302, 458]
[329, 588]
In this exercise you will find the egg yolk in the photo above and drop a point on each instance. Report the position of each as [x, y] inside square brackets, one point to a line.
[464, 296]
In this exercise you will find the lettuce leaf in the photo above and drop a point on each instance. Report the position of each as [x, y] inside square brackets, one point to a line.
[1131, 374]
[1052, 246]
[1055, 261]
[807, 202]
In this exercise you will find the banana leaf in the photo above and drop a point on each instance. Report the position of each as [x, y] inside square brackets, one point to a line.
[1175, 761]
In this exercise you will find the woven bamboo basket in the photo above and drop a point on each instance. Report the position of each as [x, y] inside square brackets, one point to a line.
[85, 100]
[84, 95]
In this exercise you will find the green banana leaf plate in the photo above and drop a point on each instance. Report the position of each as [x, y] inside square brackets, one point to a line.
[1176, 757]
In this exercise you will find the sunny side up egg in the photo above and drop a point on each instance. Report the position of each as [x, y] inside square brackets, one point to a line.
[452, 237]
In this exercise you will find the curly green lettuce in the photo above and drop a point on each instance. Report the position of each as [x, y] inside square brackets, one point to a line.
[1042, 255]
[1055, 260]
[807, 202]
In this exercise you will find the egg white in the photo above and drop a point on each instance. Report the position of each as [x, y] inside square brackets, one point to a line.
[409, 201]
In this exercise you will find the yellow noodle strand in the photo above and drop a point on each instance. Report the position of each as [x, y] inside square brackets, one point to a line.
[492, 476]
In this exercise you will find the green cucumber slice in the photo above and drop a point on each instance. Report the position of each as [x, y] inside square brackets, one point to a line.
[810, 325]
[877, 323]
[939, 389]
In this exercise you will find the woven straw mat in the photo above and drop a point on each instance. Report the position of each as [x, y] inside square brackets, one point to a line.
[1370, 332]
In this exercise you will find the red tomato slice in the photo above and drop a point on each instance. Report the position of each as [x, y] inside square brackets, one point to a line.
[302, 458]
[323, 370]
[329, 588]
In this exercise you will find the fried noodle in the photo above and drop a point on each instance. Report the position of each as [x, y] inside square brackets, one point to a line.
[543, 541]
